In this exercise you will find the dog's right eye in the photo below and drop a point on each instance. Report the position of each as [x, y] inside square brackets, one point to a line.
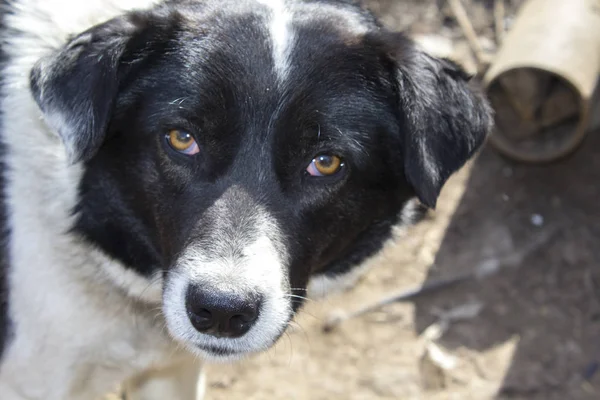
[182, 142]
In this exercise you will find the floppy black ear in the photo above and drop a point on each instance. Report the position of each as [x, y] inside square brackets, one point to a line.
[446, 120]
[76, 86]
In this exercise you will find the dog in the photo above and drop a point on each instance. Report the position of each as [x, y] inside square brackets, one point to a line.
[178, 175]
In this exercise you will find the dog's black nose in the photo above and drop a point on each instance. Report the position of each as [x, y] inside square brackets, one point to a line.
[221, 314]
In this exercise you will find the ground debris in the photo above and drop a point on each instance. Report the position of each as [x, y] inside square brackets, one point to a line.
[485, 269]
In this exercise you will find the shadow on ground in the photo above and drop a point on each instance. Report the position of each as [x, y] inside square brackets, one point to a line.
[550, 303]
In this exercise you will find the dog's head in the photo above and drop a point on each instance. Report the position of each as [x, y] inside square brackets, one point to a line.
[241, 148]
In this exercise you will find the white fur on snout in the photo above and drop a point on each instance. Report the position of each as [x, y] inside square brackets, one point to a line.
[261, 270]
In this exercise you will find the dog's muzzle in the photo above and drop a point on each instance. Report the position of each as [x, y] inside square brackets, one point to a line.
[228, 293]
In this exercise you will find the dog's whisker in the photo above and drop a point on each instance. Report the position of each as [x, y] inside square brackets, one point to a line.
[153, 280]
[319, 133]
[295, 296]
[291, 351]
[299, 327]
[305, 312]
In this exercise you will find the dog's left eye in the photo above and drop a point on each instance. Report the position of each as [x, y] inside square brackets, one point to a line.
[325, 165]
[182, 142]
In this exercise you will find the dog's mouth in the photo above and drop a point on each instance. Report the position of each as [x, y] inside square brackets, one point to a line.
[227, 352]
[217, 352]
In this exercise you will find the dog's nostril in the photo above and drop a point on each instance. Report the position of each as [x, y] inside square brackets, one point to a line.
[238, 326]
[241, 323]
[202, 319]
[250, 314]
[221, 314]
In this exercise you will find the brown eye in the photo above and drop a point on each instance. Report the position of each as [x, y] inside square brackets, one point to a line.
[182, 142]
[325, 165]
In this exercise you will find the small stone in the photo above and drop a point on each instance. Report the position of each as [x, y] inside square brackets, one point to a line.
[334, 319]
[537, 220]
[223, 382]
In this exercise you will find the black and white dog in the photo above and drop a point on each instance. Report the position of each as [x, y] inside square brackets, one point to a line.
[177, 174]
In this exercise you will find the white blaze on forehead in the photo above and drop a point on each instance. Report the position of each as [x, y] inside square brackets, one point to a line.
[282, 34]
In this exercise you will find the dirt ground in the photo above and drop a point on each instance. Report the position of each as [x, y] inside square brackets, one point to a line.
[537, 333]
